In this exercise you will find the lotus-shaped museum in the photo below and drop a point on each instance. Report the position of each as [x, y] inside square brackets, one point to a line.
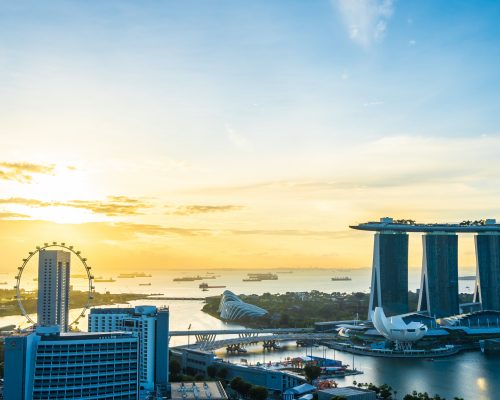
[395, 329]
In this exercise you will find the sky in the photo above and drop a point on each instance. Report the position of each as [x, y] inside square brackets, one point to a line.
[243, 134]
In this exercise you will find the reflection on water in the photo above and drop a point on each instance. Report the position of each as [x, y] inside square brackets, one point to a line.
[469, 375]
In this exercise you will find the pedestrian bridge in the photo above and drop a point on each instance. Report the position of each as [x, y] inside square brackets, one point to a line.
[208, 339]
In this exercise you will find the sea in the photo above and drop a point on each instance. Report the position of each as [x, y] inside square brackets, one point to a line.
[470, 375]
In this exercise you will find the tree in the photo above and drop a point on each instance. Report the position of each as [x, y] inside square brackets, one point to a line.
[175, 369]
[199, 377]
[312, 372]
[258, 393]
[222, 373]
[235, 383]
[338, 397]
[245, 388]
[212, 371]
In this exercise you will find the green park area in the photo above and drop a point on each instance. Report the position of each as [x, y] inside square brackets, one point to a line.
[302, 310]
[9, 306]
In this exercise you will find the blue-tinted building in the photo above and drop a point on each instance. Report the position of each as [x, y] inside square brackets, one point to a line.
[389, 288]
[439, 283]
[151, 325]
[47, 364]
[488, 271]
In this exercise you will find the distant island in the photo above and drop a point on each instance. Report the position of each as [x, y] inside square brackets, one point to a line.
[303, 309]
[9, 306]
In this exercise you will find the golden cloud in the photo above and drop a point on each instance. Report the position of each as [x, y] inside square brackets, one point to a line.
[112, 206]
[12, 215]
[205, 209]
[23, 172]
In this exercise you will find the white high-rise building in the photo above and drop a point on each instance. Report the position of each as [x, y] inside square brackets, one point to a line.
[46, 364]
[53, 288]
[151, 324]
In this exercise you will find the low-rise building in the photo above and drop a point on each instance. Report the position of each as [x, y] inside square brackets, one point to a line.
[349, 392]
[197, 391]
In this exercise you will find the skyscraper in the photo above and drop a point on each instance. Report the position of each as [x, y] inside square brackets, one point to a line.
[47, 364]
[390, 273]
[488, 271]
[439, 283]
[53, 288]
[151, 325]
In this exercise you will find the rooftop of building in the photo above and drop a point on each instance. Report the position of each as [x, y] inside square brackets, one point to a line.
[345, 391]
[388, 224]
[197, 391]
[137, 310]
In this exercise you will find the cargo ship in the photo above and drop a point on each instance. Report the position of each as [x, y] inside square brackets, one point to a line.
[341, 278]
[188, 279]
[257, 277]
[205, 285]
[104, 280]
[135, 275]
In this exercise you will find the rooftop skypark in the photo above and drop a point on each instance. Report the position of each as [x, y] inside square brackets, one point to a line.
[408, 225]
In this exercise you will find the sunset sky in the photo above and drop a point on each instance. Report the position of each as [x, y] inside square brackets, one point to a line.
[184, 134]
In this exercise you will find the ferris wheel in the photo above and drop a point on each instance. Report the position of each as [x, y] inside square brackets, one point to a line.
[83, 260]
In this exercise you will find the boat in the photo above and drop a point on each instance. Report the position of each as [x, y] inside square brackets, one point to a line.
[104, 280]
[145, 284]
[341, 278]
[251, 280]
[188, 279]
[205, 285]
[135, 275]
[263, 276]
[3, 283]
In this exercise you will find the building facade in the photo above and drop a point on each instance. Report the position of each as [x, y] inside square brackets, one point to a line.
[151, 326]
[439, 283]
[488, 271]
[53, 288]
[47, 364]
[389, 274]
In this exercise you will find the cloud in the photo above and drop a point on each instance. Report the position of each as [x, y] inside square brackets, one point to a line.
[12, 215]
[205, 209]
[237, 139]
[159, 230]
[366, 20]
[113, 206]
[295, 232]
[23, 172]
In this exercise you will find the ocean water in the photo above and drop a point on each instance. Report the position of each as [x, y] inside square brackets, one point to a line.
[469, 375]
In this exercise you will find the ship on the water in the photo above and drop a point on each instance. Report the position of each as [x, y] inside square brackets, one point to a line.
[135, 275]
[467, 278]
[188, 279]
[205, 285]
[194, 278]
[104, 280]
[341, 278]
[257, 277]
[145, 284]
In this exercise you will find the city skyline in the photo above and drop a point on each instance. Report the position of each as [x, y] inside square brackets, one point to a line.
[227, 134]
